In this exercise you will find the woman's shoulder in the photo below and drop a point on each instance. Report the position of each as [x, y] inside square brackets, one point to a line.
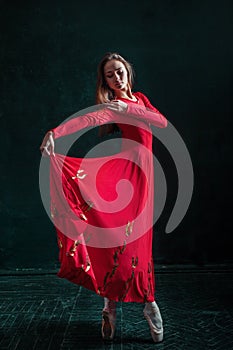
[140, 95]
[145, 100]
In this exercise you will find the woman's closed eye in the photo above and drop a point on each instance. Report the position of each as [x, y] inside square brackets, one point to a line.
[120, 71]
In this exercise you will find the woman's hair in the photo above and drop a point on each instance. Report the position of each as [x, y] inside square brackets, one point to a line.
[103, 92]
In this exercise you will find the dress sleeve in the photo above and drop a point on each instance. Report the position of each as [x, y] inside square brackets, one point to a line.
[83, 120]
[148, 112]
[97, 116]
[103, 115]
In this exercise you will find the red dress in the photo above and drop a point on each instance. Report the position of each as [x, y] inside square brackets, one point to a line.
[111, 252]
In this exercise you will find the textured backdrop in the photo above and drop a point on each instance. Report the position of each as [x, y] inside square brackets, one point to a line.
[182, 55]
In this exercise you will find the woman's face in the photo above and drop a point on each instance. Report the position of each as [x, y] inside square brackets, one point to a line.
[116, 75]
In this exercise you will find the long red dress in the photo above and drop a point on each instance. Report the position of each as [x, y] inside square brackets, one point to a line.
[111, 252]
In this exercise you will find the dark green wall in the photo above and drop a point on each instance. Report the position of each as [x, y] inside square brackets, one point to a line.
[182, 54]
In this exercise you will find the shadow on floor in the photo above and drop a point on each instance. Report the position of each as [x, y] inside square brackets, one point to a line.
[44, 312]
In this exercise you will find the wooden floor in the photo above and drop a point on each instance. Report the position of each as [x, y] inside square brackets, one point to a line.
[44, 312]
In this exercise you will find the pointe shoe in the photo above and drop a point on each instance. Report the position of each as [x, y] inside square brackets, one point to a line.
[109, 320]
[152, 315]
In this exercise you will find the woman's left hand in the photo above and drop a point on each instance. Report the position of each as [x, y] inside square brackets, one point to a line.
[117, 106]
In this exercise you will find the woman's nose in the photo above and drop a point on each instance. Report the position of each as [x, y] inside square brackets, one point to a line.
[117, 78]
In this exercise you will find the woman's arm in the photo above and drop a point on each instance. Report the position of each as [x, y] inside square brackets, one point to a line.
[47, 145]
[77, 122]
[98, 116]
[148, 113]
[103, 115]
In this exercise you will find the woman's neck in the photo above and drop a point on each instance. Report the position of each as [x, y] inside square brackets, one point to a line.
[124, 94]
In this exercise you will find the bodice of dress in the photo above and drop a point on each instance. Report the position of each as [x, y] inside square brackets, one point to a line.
[138, 131]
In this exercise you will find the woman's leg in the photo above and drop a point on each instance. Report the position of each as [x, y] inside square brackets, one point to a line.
[152, 314]
[108, 319]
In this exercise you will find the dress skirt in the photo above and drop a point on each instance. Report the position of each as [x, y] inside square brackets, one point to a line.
[102, 209]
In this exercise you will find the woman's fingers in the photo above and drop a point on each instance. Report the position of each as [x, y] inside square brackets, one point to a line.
[116, 105]
[46, 152]
[47, 146]
[51, 140]
[113, 108]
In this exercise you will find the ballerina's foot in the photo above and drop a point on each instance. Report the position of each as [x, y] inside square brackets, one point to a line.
[109, 321]
[152, 315]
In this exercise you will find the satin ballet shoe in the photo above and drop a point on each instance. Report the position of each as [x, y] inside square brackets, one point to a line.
[152, 315]
[109, 320]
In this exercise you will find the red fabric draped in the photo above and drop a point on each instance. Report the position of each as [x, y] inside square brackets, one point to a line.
[109, 249]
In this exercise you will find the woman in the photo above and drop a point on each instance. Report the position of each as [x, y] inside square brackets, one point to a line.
[121, 271]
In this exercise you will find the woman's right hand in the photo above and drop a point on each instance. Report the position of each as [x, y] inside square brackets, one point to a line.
[47, 146]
